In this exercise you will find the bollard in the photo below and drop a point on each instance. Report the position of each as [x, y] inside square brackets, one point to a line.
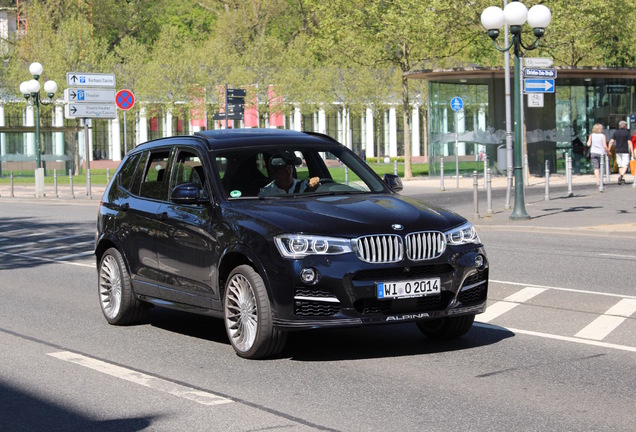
[526, 171]
[346, 175]
[395, 167]
[476, 194]
[489, 191]
[11, 181]
[602, 168]
[568, 165]
[547, 180]
[485, 170]
[55, 182]
[107, 176]
[70, 179]
[441, 177]
[607, 169]
[89, 192]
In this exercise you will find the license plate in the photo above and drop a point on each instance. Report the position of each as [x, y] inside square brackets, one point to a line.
[408, 289]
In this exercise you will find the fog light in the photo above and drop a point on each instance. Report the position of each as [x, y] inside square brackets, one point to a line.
[479, 261]
[309, 276]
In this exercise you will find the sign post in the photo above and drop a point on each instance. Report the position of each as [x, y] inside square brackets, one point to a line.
[457, 104]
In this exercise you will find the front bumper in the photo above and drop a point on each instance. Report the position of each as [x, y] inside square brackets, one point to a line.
[345, 293]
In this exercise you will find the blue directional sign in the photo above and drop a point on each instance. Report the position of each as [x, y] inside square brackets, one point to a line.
[538, 86]
[457, 104]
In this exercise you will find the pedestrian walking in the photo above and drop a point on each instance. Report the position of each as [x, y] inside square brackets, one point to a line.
[622, 140]
[598, 145]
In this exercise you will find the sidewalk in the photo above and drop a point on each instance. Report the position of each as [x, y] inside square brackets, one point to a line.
[586, 211]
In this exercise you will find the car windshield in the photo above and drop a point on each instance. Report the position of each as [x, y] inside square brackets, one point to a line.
[288, 170]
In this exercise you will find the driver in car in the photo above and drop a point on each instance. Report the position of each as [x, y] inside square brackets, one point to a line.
[282, 170]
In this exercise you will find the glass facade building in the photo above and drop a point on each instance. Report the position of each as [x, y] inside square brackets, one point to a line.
[554, 124]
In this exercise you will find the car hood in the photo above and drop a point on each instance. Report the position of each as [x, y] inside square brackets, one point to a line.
[348, 215]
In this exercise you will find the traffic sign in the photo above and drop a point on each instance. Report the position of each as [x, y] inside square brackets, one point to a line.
[538, 62]
[230, 116]
[457, 104]
[81, 79]
[539, 73]
[538, 86]
[85, 110]
[235, 108]
[236, 92]
[89, 95]
[235, 100]
[125, 99]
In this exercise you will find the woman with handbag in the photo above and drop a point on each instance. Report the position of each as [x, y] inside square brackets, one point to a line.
[598, 145]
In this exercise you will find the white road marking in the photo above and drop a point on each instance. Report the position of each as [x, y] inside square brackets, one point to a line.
[562, 338]
[609, 321]
[509, 303]
[184, 392]
[50, 260]
[64, 246]
[564, 289]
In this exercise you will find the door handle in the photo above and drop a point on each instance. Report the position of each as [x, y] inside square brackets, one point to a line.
[163, 216]
[125, 206]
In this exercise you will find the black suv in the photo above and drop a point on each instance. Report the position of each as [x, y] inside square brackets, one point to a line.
[275, 230]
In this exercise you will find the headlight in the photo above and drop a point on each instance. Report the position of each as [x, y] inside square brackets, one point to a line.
[463, 235]
[299, 245]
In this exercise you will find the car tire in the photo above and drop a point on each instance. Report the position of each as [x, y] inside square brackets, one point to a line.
[248, 316]
[447, 328]
[116, 297]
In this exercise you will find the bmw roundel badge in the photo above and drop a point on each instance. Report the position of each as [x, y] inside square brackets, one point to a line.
[397, 227]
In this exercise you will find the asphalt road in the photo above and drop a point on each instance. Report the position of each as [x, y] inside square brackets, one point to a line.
[556, 349]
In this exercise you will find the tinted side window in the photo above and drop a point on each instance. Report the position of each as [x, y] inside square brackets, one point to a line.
[139, 173]
[154, 182]
[127, 172]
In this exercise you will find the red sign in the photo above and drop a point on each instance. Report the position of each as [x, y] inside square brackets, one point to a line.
[125, 99]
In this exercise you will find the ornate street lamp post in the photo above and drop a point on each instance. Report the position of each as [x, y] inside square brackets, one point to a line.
[31, 89]
[515, 15]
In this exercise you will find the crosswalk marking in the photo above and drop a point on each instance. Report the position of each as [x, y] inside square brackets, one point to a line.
[509, 303]
[179, 390]
[609, 321]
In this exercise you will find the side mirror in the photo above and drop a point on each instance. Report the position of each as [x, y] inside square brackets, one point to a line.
[189, 193]
[393, 181]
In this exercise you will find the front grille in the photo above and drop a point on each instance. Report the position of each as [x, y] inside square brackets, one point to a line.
[400, 273]
[475, 289]
[371, 306]
[386, 248]
[315, 308]
[425, 245]
[311, 302]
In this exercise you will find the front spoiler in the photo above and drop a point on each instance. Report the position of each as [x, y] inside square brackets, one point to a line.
[345, 320]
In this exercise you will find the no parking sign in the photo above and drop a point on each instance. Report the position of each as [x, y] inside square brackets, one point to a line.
[125, 99]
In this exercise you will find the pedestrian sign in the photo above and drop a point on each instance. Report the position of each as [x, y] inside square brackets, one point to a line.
[457, 104]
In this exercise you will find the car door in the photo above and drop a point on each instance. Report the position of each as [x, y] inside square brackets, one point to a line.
[138, 226]
[188, 253]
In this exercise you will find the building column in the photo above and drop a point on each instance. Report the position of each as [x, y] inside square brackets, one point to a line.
[461, 128]
[57, 120]
[369, 141]
[416, 145]
[393, 133]
[29, 138]
[297, 119]
[142, 126]
[322, 122]
[115, 139]
[3, 142]
[167, 125]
